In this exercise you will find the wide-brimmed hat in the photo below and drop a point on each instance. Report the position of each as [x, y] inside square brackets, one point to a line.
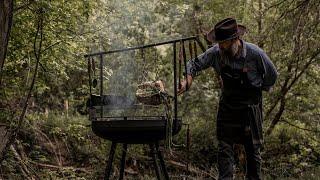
[225, 30]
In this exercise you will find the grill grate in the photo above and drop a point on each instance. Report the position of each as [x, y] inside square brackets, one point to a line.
[131, 118]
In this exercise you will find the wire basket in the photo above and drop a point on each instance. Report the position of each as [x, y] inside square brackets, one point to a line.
[150, 92]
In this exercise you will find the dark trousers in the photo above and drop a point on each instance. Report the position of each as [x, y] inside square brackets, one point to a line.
[226, 160]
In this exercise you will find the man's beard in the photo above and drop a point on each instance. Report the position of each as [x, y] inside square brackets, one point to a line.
[231, 52]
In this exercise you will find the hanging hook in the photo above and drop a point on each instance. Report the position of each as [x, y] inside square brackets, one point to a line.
[155, 62]
[195, 49]
[89, 72]
[93, 66]
[93, 69]
[180, 62]
[185, 63]
[190, 50]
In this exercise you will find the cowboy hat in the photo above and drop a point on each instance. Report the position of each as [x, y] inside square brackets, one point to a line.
[225, 30]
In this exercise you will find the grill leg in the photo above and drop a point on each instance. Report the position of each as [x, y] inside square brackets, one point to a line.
[110, 160]
[163, 165]
[155, 162]
[123, 160]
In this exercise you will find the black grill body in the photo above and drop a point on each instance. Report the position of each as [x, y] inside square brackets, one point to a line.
[133, 130]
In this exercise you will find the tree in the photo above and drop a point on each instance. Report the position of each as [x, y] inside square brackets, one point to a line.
[18, 87]
[6, 15]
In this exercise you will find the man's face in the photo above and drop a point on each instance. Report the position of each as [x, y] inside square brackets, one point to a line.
[228, 48]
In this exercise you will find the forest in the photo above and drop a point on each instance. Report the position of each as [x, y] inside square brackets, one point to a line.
[47, 79]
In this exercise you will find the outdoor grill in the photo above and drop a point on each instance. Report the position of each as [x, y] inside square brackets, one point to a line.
[123, 119]
[130, 129]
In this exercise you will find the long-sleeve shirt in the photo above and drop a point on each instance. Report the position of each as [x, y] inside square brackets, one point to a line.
[261, 71]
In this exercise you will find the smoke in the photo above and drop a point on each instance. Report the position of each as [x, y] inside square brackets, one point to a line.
[130, 23]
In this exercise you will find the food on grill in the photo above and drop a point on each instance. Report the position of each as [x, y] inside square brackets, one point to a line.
[151, 92]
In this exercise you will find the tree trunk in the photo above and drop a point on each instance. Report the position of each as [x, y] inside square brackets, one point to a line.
[6, 14]
[259, 21]
[37, 45]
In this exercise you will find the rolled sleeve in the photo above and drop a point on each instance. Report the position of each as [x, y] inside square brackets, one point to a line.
[270, 73]
[203, 61]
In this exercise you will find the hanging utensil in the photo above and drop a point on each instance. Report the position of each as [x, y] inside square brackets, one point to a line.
[195, 50]
[185, 63]
[190, 50]
[155, 56]
[180, 63]
[92, 68]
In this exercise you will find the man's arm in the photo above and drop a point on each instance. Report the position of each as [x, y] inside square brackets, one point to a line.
[196, 65]
[270, 73]
[203, 61]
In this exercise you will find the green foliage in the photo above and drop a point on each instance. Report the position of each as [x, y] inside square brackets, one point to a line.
[290, 151]
[287, 30]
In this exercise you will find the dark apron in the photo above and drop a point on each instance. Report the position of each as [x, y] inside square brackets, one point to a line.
[240, 111]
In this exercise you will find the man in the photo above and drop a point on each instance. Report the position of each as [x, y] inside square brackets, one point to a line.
[244, 71]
